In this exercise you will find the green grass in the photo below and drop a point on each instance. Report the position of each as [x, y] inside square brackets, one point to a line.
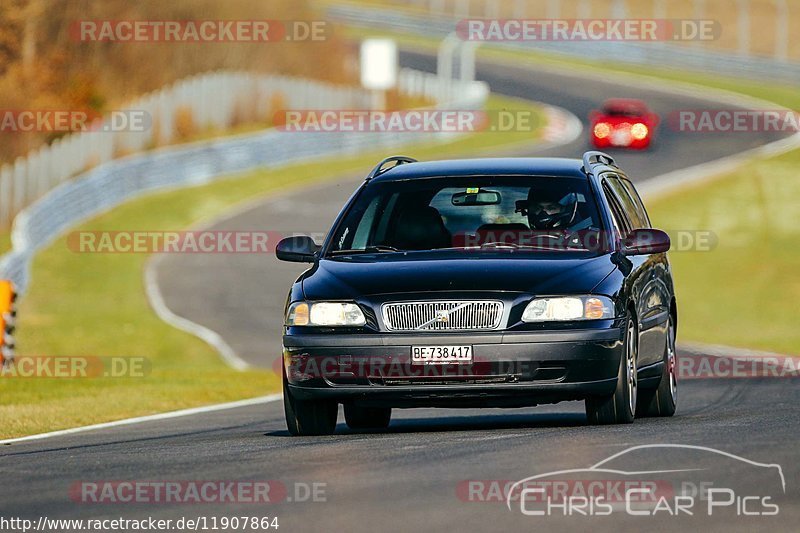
[94, 304]
[745, 291]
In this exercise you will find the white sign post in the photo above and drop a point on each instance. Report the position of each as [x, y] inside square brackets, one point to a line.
[379, 64]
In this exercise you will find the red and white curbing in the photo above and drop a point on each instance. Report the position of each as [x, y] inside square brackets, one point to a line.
[562, 127]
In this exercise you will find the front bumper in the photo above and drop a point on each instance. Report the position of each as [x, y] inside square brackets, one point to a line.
[509, 369]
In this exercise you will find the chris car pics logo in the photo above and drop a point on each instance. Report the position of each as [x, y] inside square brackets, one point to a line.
[655, 480]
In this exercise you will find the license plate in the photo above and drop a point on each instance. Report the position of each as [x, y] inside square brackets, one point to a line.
[441, 355]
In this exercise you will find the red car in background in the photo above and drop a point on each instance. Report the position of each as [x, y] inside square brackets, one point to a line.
[623, 123]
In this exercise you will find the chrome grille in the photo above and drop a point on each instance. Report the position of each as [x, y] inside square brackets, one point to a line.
[442, 315]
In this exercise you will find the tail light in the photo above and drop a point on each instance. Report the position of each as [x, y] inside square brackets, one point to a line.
[639, 131]
[602, 130]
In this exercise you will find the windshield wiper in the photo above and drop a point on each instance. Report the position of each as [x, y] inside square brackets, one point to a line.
[368, 250]
[509, 245]
[515, 246]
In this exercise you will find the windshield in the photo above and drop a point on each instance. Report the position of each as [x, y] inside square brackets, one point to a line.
[471, 214]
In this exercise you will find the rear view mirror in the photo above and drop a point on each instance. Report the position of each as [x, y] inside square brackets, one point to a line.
[645, 242]
[301, 249]
[476, 197]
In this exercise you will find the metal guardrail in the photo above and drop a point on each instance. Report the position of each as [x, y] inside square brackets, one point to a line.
[116, 181]
[215, 99]
[654, 54]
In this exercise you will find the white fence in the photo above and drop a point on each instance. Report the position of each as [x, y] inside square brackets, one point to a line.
[213, 100]
[117, 180]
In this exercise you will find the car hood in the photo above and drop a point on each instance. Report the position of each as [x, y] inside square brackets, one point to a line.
[348, 279]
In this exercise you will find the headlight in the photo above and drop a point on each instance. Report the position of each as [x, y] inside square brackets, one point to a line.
[325, 314]
[569, 308]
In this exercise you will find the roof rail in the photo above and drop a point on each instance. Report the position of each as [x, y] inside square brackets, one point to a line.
[594, 157]
[396, 159]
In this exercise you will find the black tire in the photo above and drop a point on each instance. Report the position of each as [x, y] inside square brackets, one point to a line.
[309, 417]
[367, 417]
[619, 407]
[662, 401]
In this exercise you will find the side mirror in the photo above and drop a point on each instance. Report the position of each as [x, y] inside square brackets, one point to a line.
[300, 249]
[645, 242]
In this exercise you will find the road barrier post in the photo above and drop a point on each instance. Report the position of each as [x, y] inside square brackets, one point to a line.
[8, 319]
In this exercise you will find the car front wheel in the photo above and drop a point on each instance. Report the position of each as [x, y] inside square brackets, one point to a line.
[308, 417]
[619, 407]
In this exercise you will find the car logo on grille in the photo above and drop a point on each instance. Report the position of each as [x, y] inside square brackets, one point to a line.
[442, 316]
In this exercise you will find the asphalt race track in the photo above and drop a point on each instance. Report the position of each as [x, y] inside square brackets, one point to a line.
[412, 476]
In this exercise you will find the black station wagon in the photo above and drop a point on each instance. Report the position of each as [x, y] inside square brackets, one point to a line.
[482, 283]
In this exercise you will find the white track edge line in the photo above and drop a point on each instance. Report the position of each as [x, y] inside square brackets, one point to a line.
[210, 336]
[148, 418]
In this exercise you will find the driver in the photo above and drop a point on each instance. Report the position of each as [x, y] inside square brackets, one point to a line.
[554, 218]
[551, 209]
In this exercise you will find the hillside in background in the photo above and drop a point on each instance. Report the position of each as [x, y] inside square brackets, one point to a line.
[44, 66]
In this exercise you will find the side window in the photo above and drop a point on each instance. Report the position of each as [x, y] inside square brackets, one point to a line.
[626, 202]
[637, 200]
[621, 222]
